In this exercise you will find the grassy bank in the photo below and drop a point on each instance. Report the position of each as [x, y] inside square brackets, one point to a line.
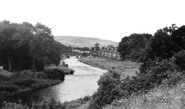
[48, 104]
[158, 98]
[158, 85]
[126, 68]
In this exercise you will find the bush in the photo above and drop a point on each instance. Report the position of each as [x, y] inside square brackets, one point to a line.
[152, 74]
[108, 90]
[55, 74]
[40, 75]
[3, 78]
[87, 98]
[24, 79]
[8, 87]
[84, 54]
[180, 59]
[66, 70]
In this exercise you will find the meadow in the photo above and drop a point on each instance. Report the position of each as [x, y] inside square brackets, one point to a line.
[126, 68]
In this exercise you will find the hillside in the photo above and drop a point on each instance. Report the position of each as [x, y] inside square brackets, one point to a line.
[83, 41]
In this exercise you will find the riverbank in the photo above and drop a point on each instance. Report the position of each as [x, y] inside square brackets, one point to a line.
[27, 81]
[82, 83]
[126, 68]
[143, 91]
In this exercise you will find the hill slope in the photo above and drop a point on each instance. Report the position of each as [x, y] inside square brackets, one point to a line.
[83, 41]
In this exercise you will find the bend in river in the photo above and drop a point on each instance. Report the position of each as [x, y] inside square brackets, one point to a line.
[81, 84]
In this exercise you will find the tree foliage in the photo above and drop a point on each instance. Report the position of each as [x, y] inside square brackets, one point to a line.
[132, 47]
[163, 62]
[26, 46]
[163, 45]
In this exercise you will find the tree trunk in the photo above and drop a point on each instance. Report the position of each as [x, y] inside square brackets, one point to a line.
[34, 61]
[9, 65]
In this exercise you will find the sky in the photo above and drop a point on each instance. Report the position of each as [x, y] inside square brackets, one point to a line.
[104, 19]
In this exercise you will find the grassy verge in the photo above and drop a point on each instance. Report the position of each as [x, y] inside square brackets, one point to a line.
[158, 98]
[49, 104]
[76, 104]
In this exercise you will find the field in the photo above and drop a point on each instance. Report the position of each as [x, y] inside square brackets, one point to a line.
[126, 68]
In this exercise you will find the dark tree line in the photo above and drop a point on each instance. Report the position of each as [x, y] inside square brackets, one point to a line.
[27, 46]
[82, 48]
[163, 45]
[133, 46]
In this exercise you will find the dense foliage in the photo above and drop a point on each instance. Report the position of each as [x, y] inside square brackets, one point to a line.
[108, 90]
[82, 48]
[27, 46]
[163, 62]
[28, 80]
[132, 47]
[55, 74]
[163, 45]
[152, 74]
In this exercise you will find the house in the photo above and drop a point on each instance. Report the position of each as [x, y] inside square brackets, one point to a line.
[110, 54]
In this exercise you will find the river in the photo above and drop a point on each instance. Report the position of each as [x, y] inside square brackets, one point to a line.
[82, 83]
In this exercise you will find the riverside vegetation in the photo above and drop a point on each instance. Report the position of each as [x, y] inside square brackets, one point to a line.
[28, 51]
[159, 84]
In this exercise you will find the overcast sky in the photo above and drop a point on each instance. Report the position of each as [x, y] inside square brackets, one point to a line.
[105, 19]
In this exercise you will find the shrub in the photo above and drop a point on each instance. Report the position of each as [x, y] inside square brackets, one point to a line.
[180, 59]
[9, 87]
[108, 90]
[55, 74]
[3, 78]
[87, 98]
[152, 74]
[66, 70]
[22, 79]
[84, 54]
[23, 82]
[40, 75]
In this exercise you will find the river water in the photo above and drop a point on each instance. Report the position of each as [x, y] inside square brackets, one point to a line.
[82, 83]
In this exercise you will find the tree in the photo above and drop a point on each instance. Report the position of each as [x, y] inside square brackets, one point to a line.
[23, 46]
[132, 47]
[178, 37]
[122, 47]
[43, 48]
[9, 43]
[97, 47]
[163, 44]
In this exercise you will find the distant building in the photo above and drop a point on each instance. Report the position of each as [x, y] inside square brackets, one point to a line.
[110, 54]
[79, 51]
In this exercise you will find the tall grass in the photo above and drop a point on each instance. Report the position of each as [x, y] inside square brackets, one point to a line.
[158, 98]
